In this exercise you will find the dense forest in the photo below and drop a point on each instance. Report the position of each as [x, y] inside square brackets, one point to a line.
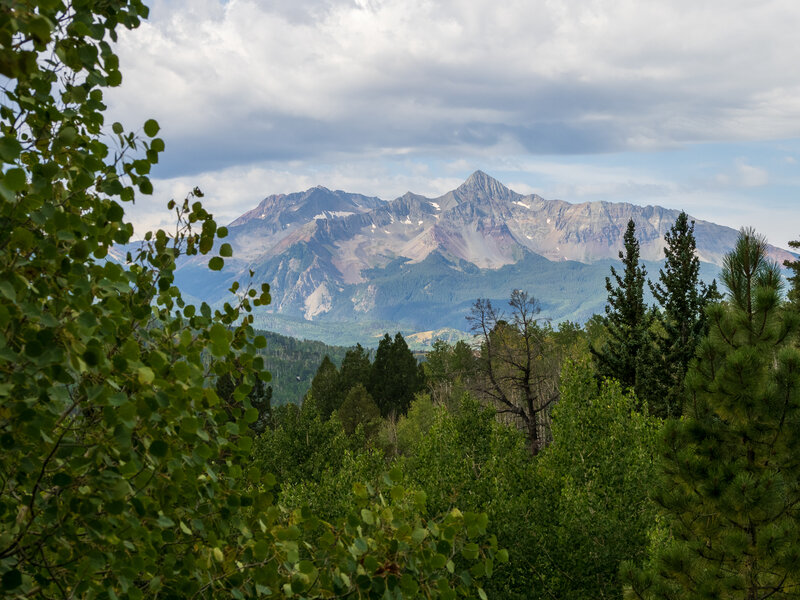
[650, 453]
[292, 363]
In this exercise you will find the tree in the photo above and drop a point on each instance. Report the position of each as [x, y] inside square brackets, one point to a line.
[448, 368]
[590, 508]
[730, 482]
[518, 364]
[355, 370]
[625, 354]
[123, 472]
[794, 278]
[683, 298]
[395, 376]
[357, 409]
[325, 388]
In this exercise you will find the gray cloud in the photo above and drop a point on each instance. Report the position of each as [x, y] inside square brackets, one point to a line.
[243, 81]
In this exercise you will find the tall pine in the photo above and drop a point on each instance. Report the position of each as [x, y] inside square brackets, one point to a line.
[730, 483]
[794, 278]
[625, 355]
[395, 376]
[355, 370]
[683, 299]
[324, 392]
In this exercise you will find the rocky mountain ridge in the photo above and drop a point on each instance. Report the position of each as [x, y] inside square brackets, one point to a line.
[340, 257]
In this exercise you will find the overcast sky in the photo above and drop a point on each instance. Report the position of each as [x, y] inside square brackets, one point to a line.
[686, 104]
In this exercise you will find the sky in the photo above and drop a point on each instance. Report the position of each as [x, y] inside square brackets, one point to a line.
[683, 104]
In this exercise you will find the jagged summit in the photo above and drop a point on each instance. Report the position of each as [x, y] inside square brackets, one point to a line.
[482, 186]
[337, 257]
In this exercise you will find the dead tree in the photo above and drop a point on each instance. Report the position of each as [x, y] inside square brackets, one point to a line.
[518, 364]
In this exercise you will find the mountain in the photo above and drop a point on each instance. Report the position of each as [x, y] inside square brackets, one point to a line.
[343, 267]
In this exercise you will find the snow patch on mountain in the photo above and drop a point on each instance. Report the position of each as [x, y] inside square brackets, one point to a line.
[319, 301]
[327, 214]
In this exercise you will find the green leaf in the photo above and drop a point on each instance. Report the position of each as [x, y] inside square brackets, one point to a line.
[226, 250]
[216, 263]
[11, 579]
[151, 127]
[470, 551]
[10, 149]
[158, 448]
[9, 292]
[145, 186]
[15, 179]
[145, 375]
[117, 128]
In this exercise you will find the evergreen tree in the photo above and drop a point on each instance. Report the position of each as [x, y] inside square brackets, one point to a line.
[730, 487]
[625, 355]
[325, 388]
[395, 376]
[357, 409]
[794, 278]
[355, 370]
[683, 298]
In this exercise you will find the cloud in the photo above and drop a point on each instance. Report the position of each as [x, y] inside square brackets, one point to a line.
[750, 176]
[243, 82]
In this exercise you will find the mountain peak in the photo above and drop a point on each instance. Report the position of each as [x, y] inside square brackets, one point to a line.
[482, 185]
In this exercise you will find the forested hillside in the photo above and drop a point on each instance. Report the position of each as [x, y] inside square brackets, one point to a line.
[292, 364]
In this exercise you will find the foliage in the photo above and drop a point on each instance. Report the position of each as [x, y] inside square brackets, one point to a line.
[395, 376]
[468, 459]
[730, 483]
[330, 495]
[590, 508]
[355, 370]
[123, 472]
[120, 465]
[400, 436]
[448, 369]
[301, 444]
[293, 363]
[359, 410]
[260, 398]
[325, 388]
[794, 278]
[626, 354]
[385, 549]
[683, 298]
[518, 365]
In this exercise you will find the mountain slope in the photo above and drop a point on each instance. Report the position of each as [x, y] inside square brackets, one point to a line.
[419, 263]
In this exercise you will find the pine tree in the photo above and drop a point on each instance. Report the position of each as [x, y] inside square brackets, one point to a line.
[683, 299]
[794, 278]
[325, 388]
[624, 354]
[395, 376]
[730, 487]
[355, 370]
[357, 409]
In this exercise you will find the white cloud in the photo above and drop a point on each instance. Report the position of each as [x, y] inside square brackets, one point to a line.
[750, 176]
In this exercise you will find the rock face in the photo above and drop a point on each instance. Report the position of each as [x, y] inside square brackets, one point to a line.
[347, 257]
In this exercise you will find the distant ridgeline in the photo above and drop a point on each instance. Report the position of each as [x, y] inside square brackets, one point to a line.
[345, 268]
